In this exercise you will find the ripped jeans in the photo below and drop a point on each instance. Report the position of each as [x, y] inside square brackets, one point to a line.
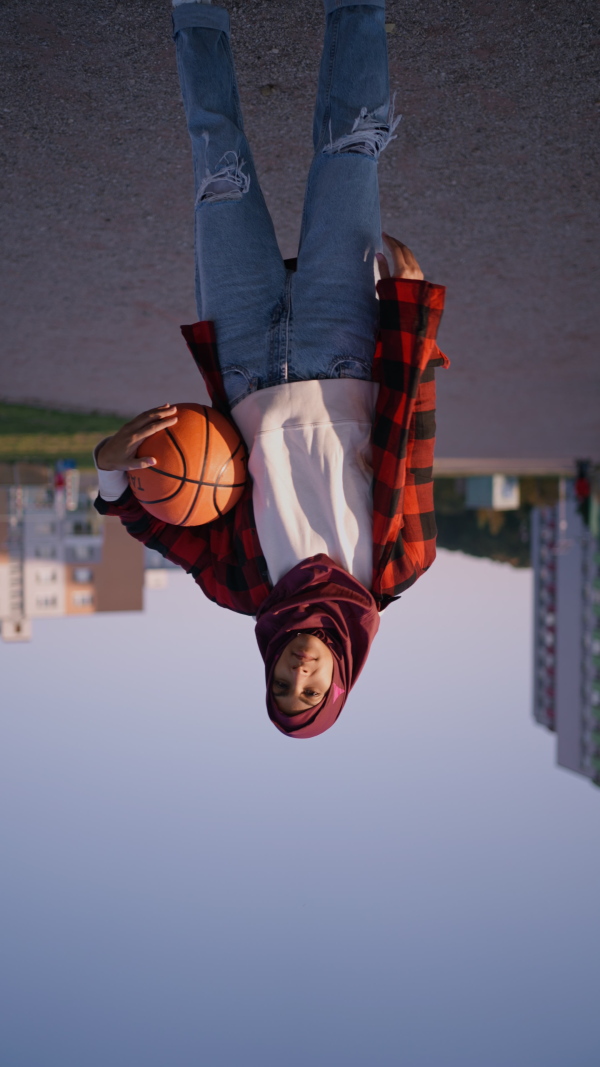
[274, 325]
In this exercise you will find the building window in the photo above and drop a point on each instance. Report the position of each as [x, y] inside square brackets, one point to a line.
[45, 577]
[45, 529]
[82, 575]
[81, 552]
[45, 602]
[81, 528]
[82, 598]
[45, 552]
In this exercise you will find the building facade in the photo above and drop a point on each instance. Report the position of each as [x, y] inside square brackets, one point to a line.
[566, 563]
[59, 557]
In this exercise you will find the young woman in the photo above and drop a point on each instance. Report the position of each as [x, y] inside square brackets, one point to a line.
[329, 378]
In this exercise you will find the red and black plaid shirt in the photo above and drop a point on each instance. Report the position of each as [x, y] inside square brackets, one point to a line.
[225, 557]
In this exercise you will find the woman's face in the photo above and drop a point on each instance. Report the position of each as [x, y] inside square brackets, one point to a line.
[302, 674]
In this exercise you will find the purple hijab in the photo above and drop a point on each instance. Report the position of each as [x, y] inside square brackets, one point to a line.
[320, 598]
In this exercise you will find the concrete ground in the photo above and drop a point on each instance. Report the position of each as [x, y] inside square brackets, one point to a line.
[493, 181]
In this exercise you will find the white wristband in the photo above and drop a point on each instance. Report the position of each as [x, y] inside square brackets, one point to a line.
[111, 484]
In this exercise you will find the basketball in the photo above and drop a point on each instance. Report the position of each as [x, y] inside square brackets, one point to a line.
[200, 472]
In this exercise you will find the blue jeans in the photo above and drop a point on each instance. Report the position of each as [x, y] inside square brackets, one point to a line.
[274, 325]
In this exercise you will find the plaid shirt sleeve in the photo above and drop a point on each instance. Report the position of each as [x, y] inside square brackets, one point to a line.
[404, 530]
[224, 557]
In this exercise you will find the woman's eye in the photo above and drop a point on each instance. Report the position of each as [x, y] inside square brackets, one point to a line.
[310, 693]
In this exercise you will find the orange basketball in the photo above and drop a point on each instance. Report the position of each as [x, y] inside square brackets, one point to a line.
[200, 471]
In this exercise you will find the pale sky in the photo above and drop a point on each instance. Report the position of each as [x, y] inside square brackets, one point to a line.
[184, 885]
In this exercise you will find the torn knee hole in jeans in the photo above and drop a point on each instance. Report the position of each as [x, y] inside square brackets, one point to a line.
[227, 182]
[368, 137]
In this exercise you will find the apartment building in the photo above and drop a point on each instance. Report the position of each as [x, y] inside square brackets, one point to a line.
[59, 557]
[566, 563]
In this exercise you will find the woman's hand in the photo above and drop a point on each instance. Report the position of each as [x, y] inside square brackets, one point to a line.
[405, 264]
[118, 453]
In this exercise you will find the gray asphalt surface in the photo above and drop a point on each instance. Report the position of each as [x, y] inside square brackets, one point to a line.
[493, 181]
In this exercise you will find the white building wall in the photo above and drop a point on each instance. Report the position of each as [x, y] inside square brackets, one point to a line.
[45, 589]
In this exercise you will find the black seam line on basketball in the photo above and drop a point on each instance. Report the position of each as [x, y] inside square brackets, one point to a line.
[236, 485]
[165, 499]
[217, 484]
[192, 481]
[183, 460]
[198, 487]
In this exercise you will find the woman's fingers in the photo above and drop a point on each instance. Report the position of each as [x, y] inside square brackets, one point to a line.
[397, 249]
[152, 427]
[405, 263]
[410, 258]
[154, 415]
[166, 411]
[384, 270]
[138, 464]
[119, 451]
[162, 412]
